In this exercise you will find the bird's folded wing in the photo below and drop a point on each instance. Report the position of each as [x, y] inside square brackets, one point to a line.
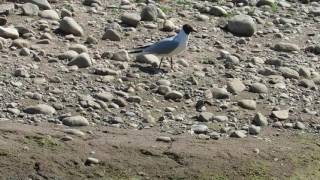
[165, 46]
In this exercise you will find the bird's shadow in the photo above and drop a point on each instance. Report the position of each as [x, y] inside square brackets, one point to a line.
[149, 69]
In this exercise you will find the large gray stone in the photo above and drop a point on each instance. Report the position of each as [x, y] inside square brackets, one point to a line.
[242, 25]
[75, 121]
[69, 26]
[40, 109]
[29, 9]
[83, 60]
[9, 32]
[43, 4]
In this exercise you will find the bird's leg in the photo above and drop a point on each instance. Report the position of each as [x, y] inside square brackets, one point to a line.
[171, 61]
[160, 62]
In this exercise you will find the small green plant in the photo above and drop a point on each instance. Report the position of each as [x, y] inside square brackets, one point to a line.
[183, 2]
[231, 14]
[252, 11]
[140, 1]
[274, 7]
[68, 7]
[165, 9]
[47, 141]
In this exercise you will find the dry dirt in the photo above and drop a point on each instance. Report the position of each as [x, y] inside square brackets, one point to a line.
[37, 152]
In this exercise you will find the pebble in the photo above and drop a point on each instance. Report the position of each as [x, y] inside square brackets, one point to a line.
[220, 93]
[260, 120]
[258, 88]
[149, 13]
[205, 117]
[29, 9]
[76, 132]
[248, 104]
[174, 95]
[74, 121]
[280, 114]
[235, 86]
[42, 4]
[286, 47]
[121, 55]
[69, 26]
[300, 125]
[289, 73]
[239, 134]
[242, 25]
[164, 139]
[218, 11]
[40, 109]
[91, 160]
[199, 129]
[254, 130]
[112, 35]
[9, 32]
[131, 19]
[148, 59]
[49, 14]
[82, 60]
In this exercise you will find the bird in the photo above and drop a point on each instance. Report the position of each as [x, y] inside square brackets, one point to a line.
[168, 47]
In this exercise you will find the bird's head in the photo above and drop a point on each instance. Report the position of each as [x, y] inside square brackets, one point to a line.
[188, 29]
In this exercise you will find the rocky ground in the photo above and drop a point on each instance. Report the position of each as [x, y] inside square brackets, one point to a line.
[241, 103]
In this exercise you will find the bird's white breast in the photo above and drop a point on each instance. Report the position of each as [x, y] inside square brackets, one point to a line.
[182, 38]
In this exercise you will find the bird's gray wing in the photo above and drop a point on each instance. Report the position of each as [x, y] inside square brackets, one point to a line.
[164, 46]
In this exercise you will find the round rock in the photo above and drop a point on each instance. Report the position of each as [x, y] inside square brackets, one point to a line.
[83, 60]
[75, 121]
[40, 109]
[242, 25]
[258, 88]
[248, 104]
[69, 26]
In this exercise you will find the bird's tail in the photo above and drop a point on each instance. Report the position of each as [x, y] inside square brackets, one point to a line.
[135, 51]
[138, 49]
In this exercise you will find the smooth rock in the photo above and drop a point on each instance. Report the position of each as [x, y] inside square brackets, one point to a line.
[286, 47]
[248, 104]
[258, 88]
[149, 13]
[69, 26]
[254, 130]
[235, 86]
[43, 4]
[218, 11]
[121, 55]
[40, 109]
[9, 32]
[199, 129]
[83, 60]
[29, 9]
[220, 93]
[260, 120]
[131, 19]
[49, 14]
[75, 121]
[242, 25]
[289, 73]
[205, 117]
[281, 114]
[238, 134]
[112, 35]
[148, 59]
[174, 95]
[164, 139]
[299, 125]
